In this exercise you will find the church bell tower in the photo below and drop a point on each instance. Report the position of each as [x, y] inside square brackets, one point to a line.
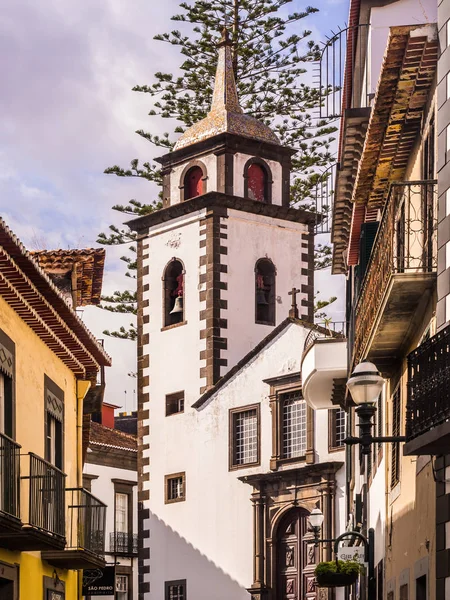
[215, 266]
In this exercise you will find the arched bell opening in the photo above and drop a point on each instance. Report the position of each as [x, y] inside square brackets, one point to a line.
[193, 181]
[174, 296]
[258, 181]
[265, 273]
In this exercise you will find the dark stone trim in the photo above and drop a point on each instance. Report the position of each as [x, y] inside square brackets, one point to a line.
[308, 314]
[248, 357]
[285, 184]
[211, 316]
[192, 163]
[225, 173]
[228, 142]
[255, 160]
[301, 475]
[217, 200]
[142, 399]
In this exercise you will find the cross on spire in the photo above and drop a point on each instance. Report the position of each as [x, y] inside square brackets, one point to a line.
[293, 312]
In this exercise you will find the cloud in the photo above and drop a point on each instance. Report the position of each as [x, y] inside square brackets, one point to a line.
[67, 112]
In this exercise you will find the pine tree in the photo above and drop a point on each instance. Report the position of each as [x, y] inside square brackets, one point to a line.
[271, 56]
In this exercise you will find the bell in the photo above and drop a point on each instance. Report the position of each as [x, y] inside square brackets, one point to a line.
[261, 297]
[178, 306]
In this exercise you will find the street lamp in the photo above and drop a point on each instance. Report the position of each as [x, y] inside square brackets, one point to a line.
[365, 385]
[315, 520]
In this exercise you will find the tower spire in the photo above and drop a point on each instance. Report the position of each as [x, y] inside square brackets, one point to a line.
[225, 97]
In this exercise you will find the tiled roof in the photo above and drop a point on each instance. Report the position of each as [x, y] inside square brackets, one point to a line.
[111, 438]
[87, 264]
[35, 298]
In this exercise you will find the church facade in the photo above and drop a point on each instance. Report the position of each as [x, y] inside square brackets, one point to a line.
[231, 459]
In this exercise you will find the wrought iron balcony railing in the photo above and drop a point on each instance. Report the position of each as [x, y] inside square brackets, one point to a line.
[405, 243]
[344, 76]
[44, 503]
[9, 477]
[428, 385]
[86, 522]
[332, 330]
[123, 543]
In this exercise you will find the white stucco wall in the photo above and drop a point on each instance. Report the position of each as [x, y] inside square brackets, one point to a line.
[208, 539]
[251, 237]
[103, 489]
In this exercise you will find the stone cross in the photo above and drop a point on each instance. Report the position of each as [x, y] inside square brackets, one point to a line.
[293, 312]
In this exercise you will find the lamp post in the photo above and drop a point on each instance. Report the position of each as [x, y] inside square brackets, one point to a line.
[316, 520]
[365, 385]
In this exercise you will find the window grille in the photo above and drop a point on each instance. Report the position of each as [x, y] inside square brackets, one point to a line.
[337, 428]
[395, 449]
[294, 425]
[176, 591]
[174, 403]
[121, 587]
[245, 437]
[175, 488]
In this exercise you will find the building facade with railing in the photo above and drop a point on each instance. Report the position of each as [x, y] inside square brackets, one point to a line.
[50, 528]
[385, 241]
[110, 472]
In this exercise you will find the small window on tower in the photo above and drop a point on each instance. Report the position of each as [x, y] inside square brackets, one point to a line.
[265, 292]
[173, 293]
[257, 181]
[193, 183]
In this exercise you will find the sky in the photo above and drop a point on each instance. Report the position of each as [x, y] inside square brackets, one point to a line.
[67, 112]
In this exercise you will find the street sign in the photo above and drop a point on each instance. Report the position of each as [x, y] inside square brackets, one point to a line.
[99, 582]
[356, 553]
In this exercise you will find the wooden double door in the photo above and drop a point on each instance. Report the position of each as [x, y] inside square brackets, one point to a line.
[296, 558]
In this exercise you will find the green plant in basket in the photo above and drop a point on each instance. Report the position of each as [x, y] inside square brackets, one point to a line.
[338, 573]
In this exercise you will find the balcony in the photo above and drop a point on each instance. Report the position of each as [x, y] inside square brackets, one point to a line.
[85, 533]
[400, 275]
[428, 406]
[41, 500]
[324, 365]
[9, 486]
[125, 544]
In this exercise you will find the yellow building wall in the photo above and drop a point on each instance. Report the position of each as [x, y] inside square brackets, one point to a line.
[34, 360]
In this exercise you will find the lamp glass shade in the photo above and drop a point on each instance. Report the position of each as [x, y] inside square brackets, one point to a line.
[365, 383]
[316, 518]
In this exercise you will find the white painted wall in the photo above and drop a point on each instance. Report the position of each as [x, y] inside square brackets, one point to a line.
[208, 539]
[403, 12]
[251, 237]
[103, 489]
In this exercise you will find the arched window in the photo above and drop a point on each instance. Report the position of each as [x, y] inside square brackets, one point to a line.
[173, 293]
[258, 181]
[265, 292]
[193, 183]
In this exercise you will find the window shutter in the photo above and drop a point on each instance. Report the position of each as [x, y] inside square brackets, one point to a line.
[368, 233]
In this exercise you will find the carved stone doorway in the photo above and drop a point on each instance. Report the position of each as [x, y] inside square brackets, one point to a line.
[296, 558]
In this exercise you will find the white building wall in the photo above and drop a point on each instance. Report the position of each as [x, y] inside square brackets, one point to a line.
[103, 489]
[208, 539]
[251, 237]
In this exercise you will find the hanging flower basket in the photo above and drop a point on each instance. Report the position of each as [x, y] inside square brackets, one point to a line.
[337, 573]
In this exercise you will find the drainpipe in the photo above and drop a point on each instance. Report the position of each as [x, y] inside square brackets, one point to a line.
[82, 390]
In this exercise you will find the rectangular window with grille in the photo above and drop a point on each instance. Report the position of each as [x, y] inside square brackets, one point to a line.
[395, 447]
[121, 587]
[336, 424]
[293, 425]
[175, 487]
[244, 436]
[175, 590]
